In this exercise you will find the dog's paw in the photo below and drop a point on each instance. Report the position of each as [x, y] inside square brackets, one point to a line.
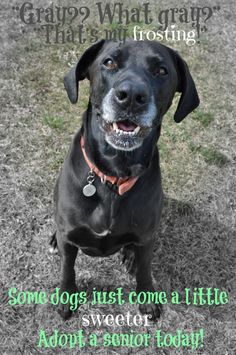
[128, 260]
[64, 309]
[154, 310]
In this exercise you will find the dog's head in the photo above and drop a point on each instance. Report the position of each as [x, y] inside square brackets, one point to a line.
[132, 87]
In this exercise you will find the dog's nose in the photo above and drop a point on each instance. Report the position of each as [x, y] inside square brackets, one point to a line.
[131, 94]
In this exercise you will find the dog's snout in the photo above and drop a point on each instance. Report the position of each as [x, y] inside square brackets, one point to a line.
[132, 95]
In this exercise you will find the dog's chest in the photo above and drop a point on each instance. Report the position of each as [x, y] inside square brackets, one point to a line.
[109, 216]
[112, 214]
[104, 229]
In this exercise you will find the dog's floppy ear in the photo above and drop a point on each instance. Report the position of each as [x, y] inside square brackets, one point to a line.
[80, 71]
[189, 99]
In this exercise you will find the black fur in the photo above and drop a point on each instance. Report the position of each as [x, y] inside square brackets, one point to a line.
[132, 218]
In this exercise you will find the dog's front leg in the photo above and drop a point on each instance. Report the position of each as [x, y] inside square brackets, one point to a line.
[143, 258]
[68, 255]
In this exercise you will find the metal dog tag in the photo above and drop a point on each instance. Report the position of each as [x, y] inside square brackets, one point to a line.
[89, 189]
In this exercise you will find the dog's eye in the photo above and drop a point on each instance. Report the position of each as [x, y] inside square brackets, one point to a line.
[159, 71]
[109, 63]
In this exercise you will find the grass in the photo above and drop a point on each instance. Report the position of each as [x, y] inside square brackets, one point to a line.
[53, 122]
[210, 155]
[195, 242]
[205, 118]
[213, 156]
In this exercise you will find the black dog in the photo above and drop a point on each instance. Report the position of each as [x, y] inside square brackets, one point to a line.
[109, 193]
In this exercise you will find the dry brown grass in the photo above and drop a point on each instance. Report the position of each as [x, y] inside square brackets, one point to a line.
[196, 242]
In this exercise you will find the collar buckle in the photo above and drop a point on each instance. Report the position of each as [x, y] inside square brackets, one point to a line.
[103, 179]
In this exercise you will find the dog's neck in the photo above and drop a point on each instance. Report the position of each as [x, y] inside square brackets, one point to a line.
[111, 161]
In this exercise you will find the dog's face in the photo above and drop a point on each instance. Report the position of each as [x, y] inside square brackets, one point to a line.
[132, 87]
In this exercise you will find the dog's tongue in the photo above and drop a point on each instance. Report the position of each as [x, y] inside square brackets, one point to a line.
[126, 125]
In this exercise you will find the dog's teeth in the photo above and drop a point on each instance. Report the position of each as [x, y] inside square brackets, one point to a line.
[120, 131]
[137, 129]
[115, 127]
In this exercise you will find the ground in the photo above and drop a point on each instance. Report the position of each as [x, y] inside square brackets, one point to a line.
[195, 244]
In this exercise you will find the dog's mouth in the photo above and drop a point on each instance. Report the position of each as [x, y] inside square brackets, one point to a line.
[124, 134]
[125, 127]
